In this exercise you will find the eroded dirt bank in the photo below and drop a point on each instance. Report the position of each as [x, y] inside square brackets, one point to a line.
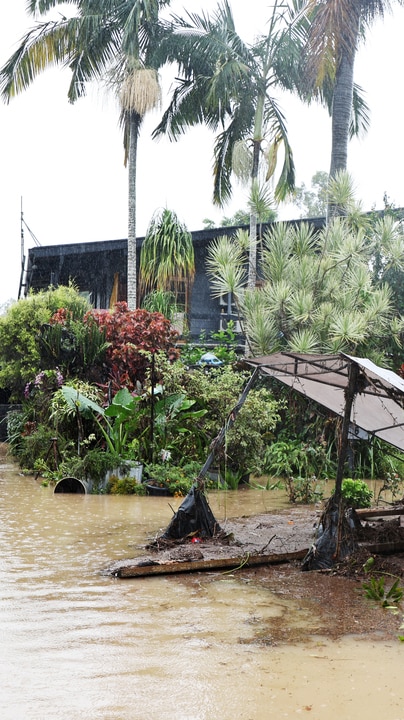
[329, 603]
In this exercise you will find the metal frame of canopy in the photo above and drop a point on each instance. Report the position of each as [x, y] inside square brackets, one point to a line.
[376, 397]
[367, 397]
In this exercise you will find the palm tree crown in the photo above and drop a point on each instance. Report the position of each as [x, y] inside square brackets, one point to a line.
[230, 86]
[114, 41]
[335, 30]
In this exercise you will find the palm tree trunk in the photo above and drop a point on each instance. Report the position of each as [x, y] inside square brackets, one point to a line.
[342, 111]
[134, 125]
[252, 264]
[252, 249]
[341, 114]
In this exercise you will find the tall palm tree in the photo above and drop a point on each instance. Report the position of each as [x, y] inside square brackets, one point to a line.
[229, 85]
[106, 40]
[336, 28]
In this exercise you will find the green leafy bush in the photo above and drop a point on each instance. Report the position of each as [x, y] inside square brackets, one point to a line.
[125, 486]
[356, 493]
[178, 479]
[20, 335]
[306, 490]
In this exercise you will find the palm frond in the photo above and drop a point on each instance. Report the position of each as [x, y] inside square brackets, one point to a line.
[278, 296]
[304, 240]
[277, 249]
[301, 306]
[260, 200]
[227, 274]
[242, 160]
[259, 324]
[389, 240]
[167, 254]
[348, 327]
[302, 273]
[379, 305]
[360, 120]
[341, 191]
[304, 340]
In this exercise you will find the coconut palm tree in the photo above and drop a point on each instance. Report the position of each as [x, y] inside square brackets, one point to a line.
[230, 85]
[106, 40]
[336, 28]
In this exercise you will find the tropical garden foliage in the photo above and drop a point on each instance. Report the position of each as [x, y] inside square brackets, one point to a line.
[167, 264]
[26, 346]
[139, 400]
[132, 400]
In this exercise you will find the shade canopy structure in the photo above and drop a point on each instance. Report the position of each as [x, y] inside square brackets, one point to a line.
[378, 399]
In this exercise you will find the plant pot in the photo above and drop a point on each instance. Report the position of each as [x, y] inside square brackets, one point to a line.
[134, 471]
[155, 489]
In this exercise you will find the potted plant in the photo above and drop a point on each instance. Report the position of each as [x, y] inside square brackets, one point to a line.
[117, 424]
[166, 479]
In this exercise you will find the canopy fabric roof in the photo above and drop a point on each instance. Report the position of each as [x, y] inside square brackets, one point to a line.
[379, 400]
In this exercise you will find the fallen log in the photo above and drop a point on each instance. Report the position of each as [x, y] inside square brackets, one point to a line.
[384, 548]
[379, 512]
[149, 567]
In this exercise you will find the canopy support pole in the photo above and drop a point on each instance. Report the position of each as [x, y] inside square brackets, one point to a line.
[349, 392]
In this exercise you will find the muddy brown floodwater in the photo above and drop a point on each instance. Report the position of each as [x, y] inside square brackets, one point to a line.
[251, 645]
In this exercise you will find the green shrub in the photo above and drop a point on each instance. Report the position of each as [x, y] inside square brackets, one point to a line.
[178, 479]
[92, 465]
[20, 335]
[306, 490]
[125, 486]
[36, 444]
[356, 493]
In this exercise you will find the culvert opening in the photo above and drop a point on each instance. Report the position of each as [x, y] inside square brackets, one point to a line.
[70, 485]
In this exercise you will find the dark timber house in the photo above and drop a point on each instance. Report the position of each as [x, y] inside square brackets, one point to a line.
[99, 270]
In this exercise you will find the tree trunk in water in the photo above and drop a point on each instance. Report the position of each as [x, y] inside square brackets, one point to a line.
[350, 393]
[132, 259]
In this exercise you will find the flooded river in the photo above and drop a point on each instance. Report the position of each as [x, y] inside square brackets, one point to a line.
[76, 644]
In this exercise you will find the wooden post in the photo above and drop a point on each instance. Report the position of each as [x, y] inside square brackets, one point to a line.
[350, 392]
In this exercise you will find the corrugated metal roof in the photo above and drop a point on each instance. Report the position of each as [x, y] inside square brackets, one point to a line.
[379, 400]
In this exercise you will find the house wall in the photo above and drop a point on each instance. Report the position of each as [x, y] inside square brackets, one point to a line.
[92, 267]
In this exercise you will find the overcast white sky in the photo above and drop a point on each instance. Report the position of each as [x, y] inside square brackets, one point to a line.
[65, 163]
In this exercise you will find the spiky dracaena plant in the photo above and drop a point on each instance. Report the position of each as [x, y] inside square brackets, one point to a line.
[320, 291]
